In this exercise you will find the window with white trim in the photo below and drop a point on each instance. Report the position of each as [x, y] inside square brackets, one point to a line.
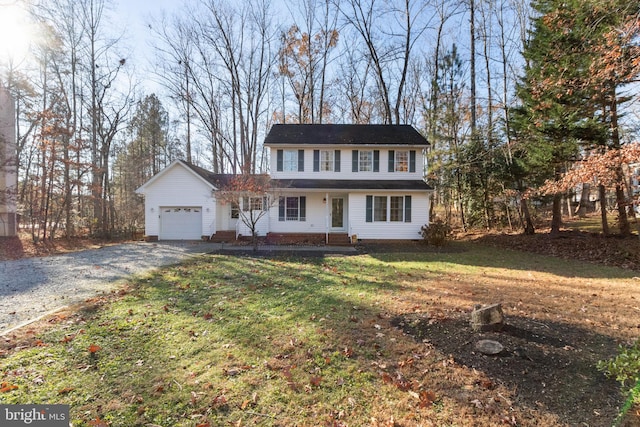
[380, 208]
[253, 203]
[365, 160]
[401, 163]
[235, 210]
[290, 160]
[326, 160]
[388, 208]
[292, 208]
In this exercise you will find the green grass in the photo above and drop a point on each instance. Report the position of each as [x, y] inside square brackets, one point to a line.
[226, 340]
[219, 339]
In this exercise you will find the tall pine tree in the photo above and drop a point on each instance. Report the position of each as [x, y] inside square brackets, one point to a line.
[561, 109]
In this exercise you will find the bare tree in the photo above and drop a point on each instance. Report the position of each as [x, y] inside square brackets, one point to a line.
[390, 51]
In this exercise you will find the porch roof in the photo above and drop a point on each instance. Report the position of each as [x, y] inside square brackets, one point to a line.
[349, 184]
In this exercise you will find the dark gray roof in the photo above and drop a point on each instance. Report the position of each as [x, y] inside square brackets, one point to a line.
[349, 184]
[218, 180]
[344, 135]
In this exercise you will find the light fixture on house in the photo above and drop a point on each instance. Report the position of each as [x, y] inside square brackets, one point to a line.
[324, 200]
[152, 209]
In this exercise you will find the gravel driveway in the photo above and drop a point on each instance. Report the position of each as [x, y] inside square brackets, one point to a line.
[32, 287]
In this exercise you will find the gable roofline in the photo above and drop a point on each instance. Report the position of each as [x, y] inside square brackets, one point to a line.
[215, 181]
[344, 134]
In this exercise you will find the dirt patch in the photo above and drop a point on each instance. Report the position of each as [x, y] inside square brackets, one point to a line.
[596, 248]
[22, 246]
[551, 366]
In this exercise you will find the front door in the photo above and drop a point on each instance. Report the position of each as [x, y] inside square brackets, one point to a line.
[337, 213]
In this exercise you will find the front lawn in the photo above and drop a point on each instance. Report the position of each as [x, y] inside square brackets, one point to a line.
[289, 341]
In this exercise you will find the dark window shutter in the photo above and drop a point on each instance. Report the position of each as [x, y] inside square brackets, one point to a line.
[407, 208]
[303, 208]
[376, 160]
[412, 161]
[369, 208]
[281, 209]
[280, 160]
[392, 158]
[245, 204]
[354, 161]
[316, 160]
[300, 160]
[336, 159]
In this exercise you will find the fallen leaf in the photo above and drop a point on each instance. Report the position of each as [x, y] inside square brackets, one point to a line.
[6, 387]
[98, 423]
[315, 380]
[67, 338]
[426, 398]
[66, 390]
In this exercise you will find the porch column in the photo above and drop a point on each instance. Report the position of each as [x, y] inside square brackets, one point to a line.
[326, 218]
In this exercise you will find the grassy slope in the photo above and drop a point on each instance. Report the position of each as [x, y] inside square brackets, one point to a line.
[275, 342]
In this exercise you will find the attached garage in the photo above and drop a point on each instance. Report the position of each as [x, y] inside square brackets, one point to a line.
[179, 203]
[180, 223]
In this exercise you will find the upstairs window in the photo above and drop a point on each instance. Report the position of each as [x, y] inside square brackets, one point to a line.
[365, 161]
[326, 160]
[402, 161]
[290, 160]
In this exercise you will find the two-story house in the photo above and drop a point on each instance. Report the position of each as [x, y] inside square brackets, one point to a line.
[329, 183]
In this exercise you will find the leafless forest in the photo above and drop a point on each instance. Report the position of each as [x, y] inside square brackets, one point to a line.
[507, 93]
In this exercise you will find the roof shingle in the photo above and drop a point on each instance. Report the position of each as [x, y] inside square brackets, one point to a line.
[339, 134]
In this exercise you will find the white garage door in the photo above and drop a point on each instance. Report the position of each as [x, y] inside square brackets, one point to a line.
[180, 223]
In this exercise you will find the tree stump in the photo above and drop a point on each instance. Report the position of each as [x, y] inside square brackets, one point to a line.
[487, 319]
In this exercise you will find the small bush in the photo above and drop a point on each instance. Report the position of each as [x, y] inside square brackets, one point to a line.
[436, 234]
[625, 367]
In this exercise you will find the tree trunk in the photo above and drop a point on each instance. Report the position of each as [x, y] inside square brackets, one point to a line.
[584, 200]
[603, 209]
[621, 200]
[556, 215]
[529, 229]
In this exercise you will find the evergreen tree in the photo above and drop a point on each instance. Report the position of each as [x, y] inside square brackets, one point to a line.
[558, 113]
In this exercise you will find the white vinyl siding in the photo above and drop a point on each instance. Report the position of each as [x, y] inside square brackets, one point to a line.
[392, 230]
[311, 168]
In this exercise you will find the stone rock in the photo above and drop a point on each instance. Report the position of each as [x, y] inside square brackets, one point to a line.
[489, 347]
[487, 319]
